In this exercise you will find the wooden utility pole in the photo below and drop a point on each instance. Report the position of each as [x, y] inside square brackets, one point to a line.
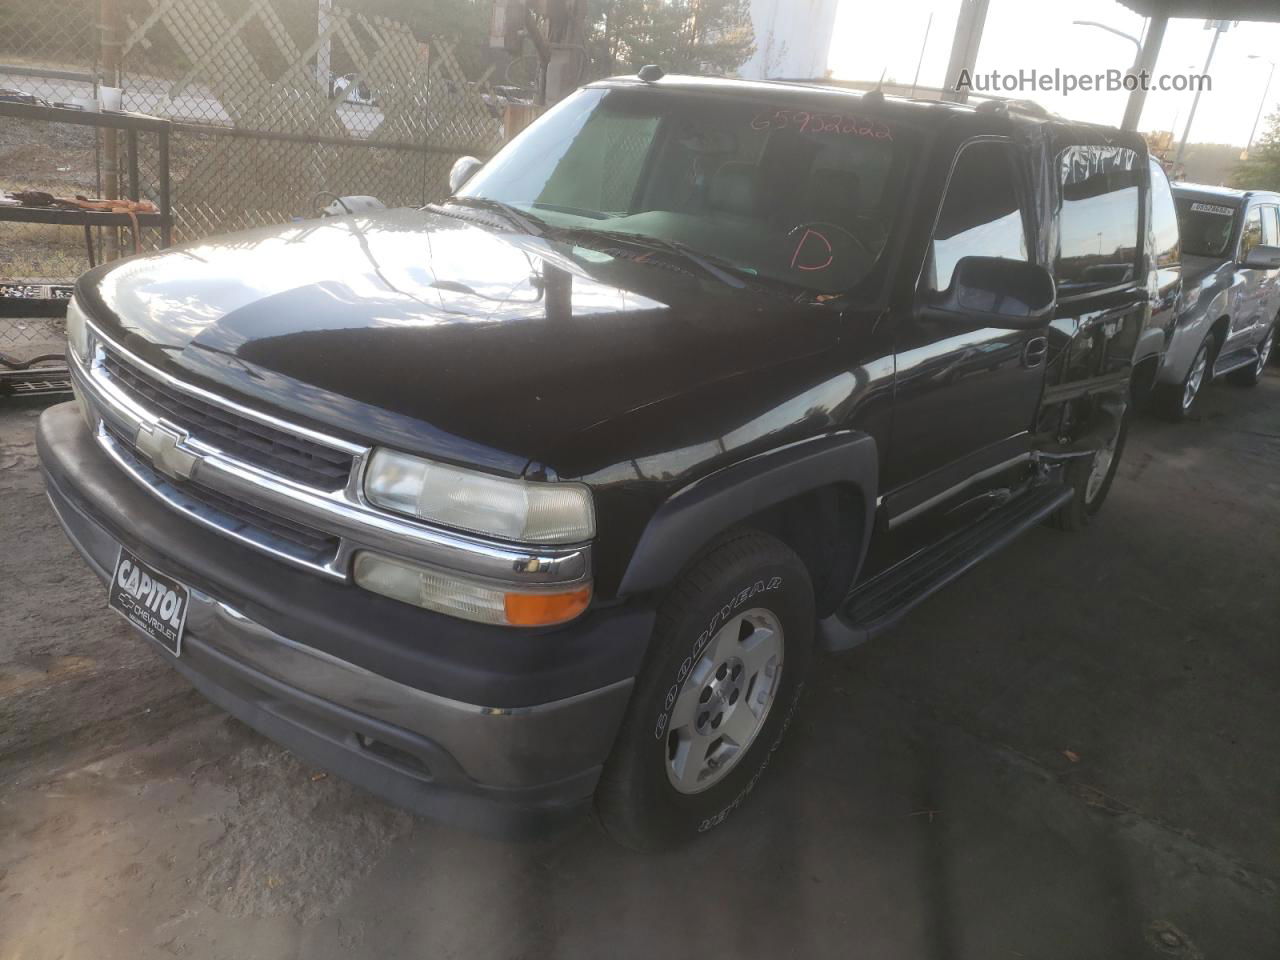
[110, 40]
[561, 48]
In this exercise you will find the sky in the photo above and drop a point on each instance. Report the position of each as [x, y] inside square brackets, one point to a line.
[871, 36]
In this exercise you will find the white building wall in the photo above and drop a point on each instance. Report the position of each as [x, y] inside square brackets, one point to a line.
[792, 38]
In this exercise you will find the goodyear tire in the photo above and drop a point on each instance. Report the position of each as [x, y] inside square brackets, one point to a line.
[727, 664]
[1091, 478]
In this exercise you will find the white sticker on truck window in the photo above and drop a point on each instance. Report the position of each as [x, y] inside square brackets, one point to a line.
[1212, 208]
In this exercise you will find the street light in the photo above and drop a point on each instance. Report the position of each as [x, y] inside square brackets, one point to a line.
[1119, 33]
[1137, 45]
[1219, 27]
[1262, 103]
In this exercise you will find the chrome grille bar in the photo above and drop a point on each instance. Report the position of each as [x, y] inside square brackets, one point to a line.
[340, 513]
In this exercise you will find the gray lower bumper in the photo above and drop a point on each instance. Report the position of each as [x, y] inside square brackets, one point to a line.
[481, 766]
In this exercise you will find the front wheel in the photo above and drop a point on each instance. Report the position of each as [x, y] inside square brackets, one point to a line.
[725, 669]
[1177, 402]
[1090, 478]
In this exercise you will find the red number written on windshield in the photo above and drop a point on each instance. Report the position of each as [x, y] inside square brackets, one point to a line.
[802, 121]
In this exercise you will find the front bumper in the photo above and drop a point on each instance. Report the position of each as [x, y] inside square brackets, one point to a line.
[368, 696]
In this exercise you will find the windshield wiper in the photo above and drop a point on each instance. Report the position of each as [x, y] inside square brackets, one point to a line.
[526, 223]
[726, 273]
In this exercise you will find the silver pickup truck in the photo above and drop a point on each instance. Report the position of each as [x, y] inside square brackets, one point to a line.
[1231, 292]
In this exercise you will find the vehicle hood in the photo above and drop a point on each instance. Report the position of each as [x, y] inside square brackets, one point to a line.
[451, 338]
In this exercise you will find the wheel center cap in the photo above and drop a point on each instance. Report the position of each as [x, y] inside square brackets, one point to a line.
[719, 697]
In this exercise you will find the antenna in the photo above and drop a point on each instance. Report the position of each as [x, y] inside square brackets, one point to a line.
[877, 95]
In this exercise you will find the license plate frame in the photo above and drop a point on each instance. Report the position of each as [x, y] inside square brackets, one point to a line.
[152, 601]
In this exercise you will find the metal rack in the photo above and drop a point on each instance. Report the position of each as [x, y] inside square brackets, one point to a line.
[132, 124]
[21, 299]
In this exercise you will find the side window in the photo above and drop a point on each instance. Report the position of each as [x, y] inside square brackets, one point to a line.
[1098, 228]
[1164, 221]
[1251, 235]
[980, 215]
[1270, 227]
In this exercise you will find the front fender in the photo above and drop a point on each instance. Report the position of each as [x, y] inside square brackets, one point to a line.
[695, 514]
[1189, 332]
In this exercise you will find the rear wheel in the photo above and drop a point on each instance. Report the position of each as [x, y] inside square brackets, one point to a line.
[1090, 477]
[726, 666]
[1252, 375]
[1178, 401]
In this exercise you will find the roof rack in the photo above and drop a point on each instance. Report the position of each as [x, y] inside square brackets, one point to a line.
[820, 81]
[991, 102]
[995, 104]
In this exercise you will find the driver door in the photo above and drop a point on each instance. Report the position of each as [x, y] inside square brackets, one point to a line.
[966, 394]
[1253, 287]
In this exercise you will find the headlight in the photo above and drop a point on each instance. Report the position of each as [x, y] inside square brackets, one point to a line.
[77, 331]
[480, 503]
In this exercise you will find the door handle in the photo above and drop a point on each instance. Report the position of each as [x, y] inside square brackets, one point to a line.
[1035, 351]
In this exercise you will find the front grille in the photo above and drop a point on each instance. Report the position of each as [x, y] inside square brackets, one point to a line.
[317, 547]
[236, 516]
[276, 451]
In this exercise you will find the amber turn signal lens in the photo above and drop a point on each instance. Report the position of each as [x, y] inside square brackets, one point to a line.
[543, 609]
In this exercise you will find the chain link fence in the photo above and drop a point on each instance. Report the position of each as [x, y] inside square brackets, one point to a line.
[276, 105]
[49, 49]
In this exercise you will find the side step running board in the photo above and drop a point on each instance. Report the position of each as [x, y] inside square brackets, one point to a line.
[880, 602]
[1234, 361]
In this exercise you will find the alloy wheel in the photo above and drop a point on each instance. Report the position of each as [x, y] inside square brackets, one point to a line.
[1195, 378]
[724, 701]
[1264, 350]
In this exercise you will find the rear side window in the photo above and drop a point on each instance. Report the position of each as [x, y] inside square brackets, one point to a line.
[1164, 220]
[981, 215]
[1098, 228]
[1206, 227]
[1270, 227]
[1252, 233]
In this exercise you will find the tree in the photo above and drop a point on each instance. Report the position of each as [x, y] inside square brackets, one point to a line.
[466, 21]
[1262, 170]
[681, 36]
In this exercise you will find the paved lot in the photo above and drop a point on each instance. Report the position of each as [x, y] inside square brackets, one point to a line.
[1074, 752]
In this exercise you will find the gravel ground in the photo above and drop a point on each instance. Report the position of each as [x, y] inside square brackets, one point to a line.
[1071, 753]
[64, 666]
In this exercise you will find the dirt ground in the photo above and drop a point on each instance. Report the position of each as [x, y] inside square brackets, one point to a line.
[1071, 753]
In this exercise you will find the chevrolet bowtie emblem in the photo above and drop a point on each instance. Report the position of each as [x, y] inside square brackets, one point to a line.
[159, 443]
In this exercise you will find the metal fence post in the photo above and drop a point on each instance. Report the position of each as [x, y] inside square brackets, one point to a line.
[109, 41]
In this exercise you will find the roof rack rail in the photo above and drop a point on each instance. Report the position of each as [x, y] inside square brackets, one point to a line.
[995, 104]
[820, 81]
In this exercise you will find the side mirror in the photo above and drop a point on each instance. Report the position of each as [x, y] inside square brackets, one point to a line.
[1010, 294]
[463, 169]
[1262, 257]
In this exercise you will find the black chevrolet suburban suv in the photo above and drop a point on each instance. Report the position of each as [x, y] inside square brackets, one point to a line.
[549, 494]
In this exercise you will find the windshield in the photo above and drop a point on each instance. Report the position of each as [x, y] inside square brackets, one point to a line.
[1206, 227]
[803, 197]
